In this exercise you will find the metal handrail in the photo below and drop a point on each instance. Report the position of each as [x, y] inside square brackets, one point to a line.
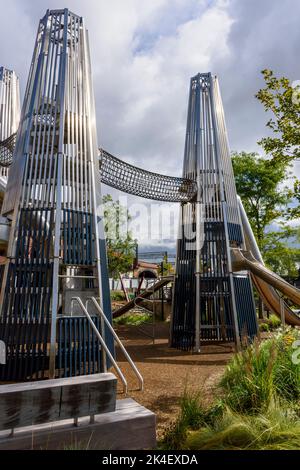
[129, 360]
[119, 372]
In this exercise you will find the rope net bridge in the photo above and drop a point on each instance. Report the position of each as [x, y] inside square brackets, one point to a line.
[125, 177]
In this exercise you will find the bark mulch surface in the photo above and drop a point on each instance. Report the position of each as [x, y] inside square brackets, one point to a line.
[167, 371]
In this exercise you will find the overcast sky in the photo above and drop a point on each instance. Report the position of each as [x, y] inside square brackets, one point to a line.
[144, 53]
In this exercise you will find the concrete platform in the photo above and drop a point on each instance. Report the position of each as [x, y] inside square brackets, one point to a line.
[130, 427]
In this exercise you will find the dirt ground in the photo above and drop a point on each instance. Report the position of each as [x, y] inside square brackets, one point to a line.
[167, 372]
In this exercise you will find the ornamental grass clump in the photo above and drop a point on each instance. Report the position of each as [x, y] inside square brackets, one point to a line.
[261, 372]
[256, 402]
[277, 428]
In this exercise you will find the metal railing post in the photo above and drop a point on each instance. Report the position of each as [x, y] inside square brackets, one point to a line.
[130, 361]
[119, 372]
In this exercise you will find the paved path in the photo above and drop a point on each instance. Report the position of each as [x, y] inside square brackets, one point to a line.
[168, 371]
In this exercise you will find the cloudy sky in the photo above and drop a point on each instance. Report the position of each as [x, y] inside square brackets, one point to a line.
[144, 53]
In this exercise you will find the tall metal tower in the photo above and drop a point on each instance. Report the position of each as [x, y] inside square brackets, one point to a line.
[211, 302]
[9, 108]
[9, 103]
[56, 248]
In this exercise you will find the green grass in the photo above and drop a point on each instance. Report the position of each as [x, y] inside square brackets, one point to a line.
[116, 295]
[262, 371]
[277, 428]
[256, 404]
[135, 319]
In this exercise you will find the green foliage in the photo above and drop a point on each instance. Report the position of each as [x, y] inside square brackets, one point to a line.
[274, 321]
[193, 414]
[276, 429]
[119, 243]
[258, 408]
[133, 319]
[261, 372]
[282, 100]
[280, 257]
[264, 327]
[116, 295]
[258, 182]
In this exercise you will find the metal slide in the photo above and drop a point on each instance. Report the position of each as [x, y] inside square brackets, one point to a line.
[263, 278]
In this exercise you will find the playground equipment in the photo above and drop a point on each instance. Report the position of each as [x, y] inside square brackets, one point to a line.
[9, 121]
[9, 106]
[56, 244]
[146, 294]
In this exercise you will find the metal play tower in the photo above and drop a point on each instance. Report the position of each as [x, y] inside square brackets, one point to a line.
[211, 301]
[56, 248]
[9, 107]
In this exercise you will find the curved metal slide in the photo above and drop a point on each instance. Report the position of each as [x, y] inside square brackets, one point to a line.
[263, 278]
[163, 281]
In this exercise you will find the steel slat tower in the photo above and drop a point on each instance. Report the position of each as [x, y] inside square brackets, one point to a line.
[9, 106]
[56, 248]
[9, 103]
[210, 301]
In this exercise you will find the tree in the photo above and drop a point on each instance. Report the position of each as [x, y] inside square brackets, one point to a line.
[121, 248]
[280, 257]
[282, 100]
[166, 268]
[259, 183]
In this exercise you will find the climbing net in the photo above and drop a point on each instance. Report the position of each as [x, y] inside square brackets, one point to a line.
[125, 177]
[130, 179]
[6, 150]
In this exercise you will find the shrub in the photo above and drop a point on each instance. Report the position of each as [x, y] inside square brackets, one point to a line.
[247, 381]
[262, 371]
[264, 327]
[116, 295]
[274, 322]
